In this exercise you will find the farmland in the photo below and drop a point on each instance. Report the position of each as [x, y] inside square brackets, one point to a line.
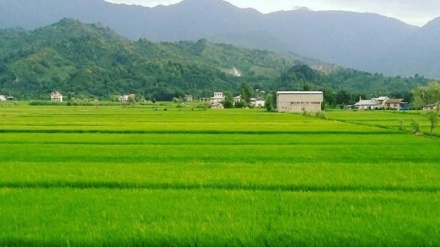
[161, 175]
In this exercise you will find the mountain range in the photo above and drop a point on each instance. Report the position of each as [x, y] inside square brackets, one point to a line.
[91, 60]
[364, 41]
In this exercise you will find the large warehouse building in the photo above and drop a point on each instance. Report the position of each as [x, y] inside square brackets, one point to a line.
[298, 101]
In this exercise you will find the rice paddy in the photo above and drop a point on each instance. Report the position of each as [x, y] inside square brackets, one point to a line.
[168, 176]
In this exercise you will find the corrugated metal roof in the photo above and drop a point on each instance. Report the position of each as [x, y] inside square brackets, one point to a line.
[366, 103]
[394, 101]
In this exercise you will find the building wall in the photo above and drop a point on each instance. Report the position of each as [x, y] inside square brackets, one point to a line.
[218, 97]
[299, 101]
[56, 97]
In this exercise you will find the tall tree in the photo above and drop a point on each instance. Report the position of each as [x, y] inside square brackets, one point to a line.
[433, 118]
[342, 97]
[429, 96]
[246, 93]
[271, 101]
[229, 100]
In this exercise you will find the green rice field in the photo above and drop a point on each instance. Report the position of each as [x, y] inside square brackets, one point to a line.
[161, 175]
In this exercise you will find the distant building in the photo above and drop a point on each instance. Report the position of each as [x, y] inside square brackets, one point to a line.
[395, 104]
[382, 102]
[218, 97]
[430, 107]
[189, 98]
[56, 97]
[366, 104]
[125, 97]
[298, 101]
[258, 102]
[3, 98]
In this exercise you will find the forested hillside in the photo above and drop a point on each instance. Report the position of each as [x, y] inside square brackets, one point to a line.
[363, 41]
[85, 61]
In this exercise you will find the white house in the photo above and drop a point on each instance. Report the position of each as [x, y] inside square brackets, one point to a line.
[3, 98]
[430, 107]
[382, 102]
[125, 97]
[298, 101]
[56, 97]
[395, 104]
[218, 97]
[189, 98]
[366, 104]
[258, 102]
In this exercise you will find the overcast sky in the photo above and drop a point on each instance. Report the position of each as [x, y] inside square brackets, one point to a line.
[415, 12]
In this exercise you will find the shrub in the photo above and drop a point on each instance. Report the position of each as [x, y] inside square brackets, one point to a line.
[415, 127]
[321, 115]
[402, 125]
[203, 106]
[45, 103]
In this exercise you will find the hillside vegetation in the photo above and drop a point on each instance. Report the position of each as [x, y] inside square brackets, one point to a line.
[89, 60]
[364, 41]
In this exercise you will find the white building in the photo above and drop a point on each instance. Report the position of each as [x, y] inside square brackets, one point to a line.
[298, 101]
[3, 98]
[189, 98]
[395, 104]
[56, 97]
[126, 97]
[431, 107]
[218, 97]
[382, 102]
[366, 104]
[258, 102]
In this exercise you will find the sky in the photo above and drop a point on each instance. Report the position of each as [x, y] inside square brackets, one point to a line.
[414, 12]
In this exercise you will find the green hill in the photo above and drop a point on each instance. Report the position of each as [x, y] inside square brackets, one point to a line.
[93, 61]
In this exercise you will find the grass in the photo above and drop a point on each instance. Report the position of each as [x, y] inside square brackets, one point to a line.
[109, 176]
[395, 120]
[217, 217]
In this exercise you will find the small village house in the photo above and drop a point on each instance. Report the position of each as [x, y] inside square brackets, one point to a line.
[218, 97]
[395, 104]
[189, 98]
[237, 99]
[124, 98]
[366, 104]
[430, 107]
[258, 102]
[56, 97]
[382, 102]
[298, 101]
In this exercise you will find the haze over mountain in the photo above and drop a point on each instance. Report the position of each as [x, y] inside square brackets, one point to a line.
[362, 41]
